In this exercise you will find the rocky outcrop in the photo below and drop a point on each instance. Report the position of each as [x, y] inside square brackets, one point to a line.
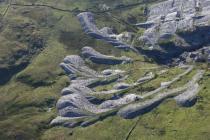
[136, 109]
[77, 105]
[174, 26]
[88, 24]
[187, 98]
[77, 101]
[121, 86]
[96, 57]
[168, 21]
[74, 64]
[147, 77]
[119, 102]
[201, 55]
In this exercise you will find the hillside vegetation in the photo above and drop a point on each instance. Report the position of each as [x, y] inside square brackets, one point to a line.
[35, 37]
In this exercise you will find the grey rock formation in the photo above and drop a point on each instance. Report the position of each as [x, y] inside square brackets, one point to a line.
[184, 20]
[136, 109]
[75, 65]
[189, 97]
[76, 100]
[120, 86]
[133, 110]
[88, 24]
[108, 72]
[122, 101]
[147, 77]
[182, 23]
[76, 88]
[96, 57]
[201, 55]
[60, 120]
[77, 105]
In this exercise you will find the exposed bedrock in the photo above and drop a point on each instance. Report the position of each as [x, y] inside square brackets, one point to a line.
[201, 55]
[121, 86]
[185, 99]
[136, 109]
[77, 105]
[174, 26]
[147, 77]
[61, 121]
[75, 65]
[88, 24]
[189, 97]
[96, 57]
[76, 88]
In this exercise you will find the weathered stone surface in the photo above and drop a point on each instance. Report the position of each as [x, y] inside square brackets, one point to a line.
[169, 21]
[136, 109]
[133, 110]
[117, 103]
[60, 120]
[111, 72]
[76, 88]
[189, 97]
[182, 23]
[88, 24]
[77, 105]
[96, 57]
[201, 55]
[74, 64]
[147, 77]
[120, 86]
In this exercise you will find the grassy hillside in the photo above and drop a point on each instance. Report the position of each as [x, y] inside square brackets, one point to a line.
[35, 39]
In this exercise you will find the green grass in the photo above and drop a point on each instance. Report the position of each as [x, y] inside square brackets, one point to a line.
[117, 130]
[40, 72]
[28, 100]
